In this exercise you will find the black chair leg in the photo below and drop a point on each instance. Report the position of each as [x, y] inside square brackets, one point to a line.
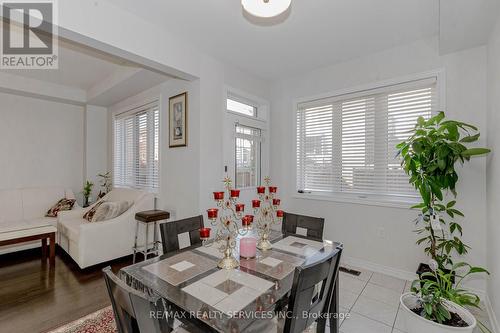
[321, 325]
[334, 308]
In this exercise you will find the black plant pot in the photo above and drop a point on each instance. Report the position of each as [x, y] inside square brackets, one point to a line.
[424, 268]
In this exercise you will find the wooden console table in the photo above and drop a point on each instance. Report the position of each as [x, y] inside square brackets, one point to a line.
[42, 233]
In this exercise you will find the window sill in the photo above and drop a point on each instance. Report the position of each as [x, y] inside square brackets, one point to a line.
[247, 188]
[155, 191]
[356, 200]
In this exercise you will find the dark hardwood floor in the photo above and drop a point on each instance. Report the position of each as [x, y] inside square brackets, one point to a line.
[35, 298]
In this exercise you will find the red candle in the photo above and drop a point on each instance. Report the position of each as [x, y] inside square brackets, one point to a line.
[235, 193]
[273, 189]
[255, 203]
[205, 233]
[240, 207]
[280, 213]
[276, 202]
[247, 220]
[219, 195]
[261, 190]
[212, 213]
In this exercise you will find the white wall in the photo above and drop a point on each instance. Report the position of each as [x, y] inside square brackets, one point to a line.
[96, 147]
[179, 167]
[493, 170]
[215, 76]
[359, 226]
[190, 174]
[41, 143]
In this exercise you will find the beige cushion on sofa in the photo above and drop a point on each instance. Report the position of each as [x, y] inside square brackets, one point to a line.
[109, 210]
[89, 215]
[62, 205]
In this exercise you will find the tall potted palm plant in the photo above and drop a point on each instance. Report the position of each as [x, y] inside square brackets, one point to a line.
[429, 157]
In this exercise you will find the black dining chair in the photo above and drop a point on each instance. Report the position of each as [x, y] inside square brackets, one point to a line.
[332, 303]
[170, 232]
[132, 309]
[314, 226]
[311, 294]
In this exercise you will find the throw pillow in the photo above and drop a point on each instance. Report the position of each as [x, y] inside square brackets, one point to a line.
[61, 205]
[109, 210]
[89, 215]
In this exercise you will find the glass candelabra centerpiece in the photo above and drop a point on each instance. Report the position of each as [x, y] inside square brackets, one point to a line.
[266, 213]
[225, 218]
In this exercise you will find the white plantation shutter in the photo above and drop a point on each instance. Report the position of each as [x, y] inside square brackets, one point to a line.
[136, 148]
[315, 129]
[346, 144]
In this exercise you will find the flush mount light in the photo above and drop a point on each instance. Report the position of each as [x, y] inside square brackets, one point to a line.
[266, 8]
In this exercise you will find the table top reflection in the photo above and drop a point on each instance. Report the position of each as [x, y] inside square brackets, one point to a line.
[225, 300]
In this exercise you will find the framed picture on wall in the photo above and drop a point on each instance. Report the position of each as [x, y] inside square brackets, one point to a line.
[178, 121]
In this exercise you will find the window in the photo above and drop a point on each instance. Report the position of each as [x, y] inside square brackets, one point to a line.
[346, 144]
[247, 156]
[136, 148]
[240, 107]
[245, 144]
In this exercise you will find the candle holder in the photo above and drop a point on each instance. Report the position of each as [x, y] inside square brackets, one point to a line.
[224, 219]
[266, 213]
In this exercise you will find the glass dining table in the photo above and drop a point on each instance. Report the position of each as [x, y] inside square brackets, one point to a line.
[194, 290]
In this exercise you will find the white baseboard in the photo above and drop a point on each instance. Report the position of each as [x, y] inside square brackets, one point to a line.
[398, 273]
[491, 314]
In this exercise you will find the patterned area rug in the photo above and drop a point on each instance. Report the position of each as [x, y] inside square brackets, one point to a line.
[102, 321]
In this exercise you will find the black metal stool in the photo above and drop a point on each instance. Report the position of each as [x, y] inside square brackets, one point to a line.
[146, 218]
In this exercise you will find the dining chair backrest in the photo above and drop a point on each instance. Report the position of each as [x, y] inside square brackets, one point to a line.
[170, 232]
[311, 291]
[314, 226]
[133, 309]
[332, 302]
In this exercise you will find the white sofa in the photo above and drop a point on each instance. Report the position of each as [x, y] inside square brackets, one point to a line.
[26, 208]
[93, 243]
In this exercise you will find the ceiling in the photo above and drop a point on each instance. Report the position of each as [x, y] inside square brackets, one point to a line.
[465, 24]
[78, 67]
[316, 33]
[85, 76]
[313, 34]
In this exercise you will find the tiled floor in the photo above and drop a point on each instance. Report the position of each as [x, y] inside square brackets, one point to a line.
[372, 302]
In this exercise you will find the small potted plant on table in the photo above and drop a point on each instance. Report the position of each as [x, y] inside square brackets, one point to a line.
[106, 184]
[87, 191]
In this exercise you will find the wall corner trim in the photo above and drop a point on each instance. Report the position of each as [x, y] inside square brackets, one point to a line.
[495, 327]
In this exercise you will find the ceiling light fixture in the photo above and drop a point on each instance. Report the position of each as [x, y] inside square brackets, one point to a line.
[266, 8]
